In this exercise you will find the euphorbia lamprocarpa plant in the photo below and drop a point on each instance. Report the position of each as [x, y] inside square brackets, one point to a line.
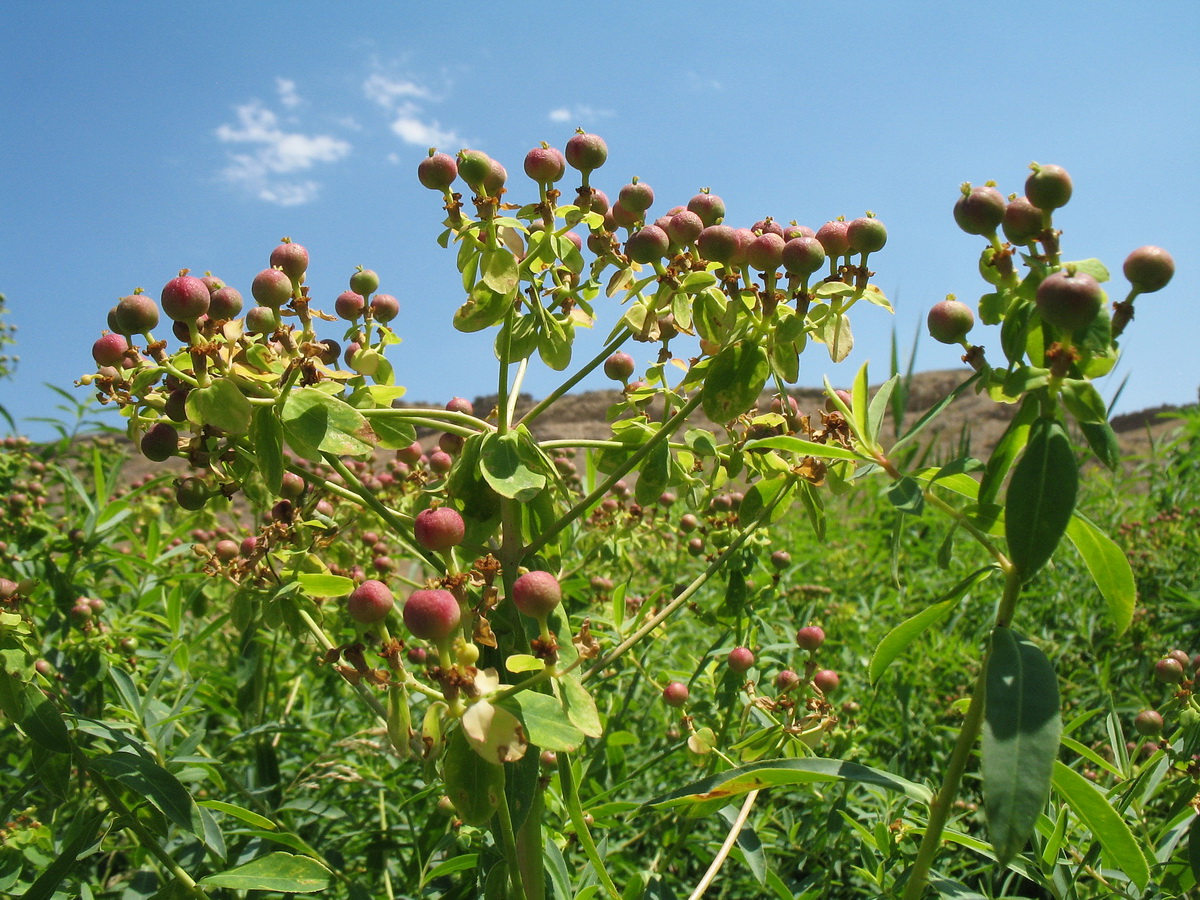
[496, 525]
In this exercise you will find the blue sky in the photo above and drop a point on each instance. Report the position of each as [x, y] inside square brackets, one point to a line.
[145, 137]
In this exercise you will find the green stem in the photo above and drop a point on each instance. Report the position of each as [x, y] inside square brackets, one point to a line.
[511, 856]
[570, 795]
[598, 360]
[363, 691]
[630, 464]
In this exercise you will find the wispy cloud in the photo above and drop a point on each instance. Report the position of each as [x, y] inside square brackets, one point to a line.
[273, 154]
[579, 114]
[698, 82]
[409, 121]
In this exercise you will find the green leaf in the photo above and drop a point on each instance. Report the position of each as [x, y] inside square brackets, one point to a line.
[581, 708]
[81, 835]
[653, 474]
[1109, 568]
[392, 431]
[1084, 401]
[835, 334]
[1193, 848]
[279, 871]
[473, 785]
[1040, 497]
[704, 797]
[760, 495]
[150, 780]
[1102, 441]
[906, 495]
[1092, 267]
[1116, 839]
[860, 392]
[314, 422]
[799, 445]
[1021, 734]
[932, 414]
[237, 812]
[546, 722]
[897, 640]
[266, 433]
[499, 270]
[322, 585]
[34, 712]
[879, 407]
[220, 405]
[484, 308]
[734, 380]
[1007, 449]
[505, 471]
[554, 344]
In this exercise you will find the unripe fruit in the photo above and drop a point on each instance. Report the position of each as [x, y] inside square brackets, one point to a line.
[709, 207]
[781, 559]
[718, 243]
[1148, 722]
[364, 282]
[1049, 187]
[619, 366]
[474, 167]
[1168, 671]
[537, 594]
[431, 615]
[439, 529]
[844, 396]
[185, 298]
[866, 235]
[979, 210]
[226, 550]
[765, 252]
[647, 245]
[545, 165]
[440, 462]
[741, 659]
[696, 546]
[1069, 300]
[1022, 221]
[191, 493]
[620, 216]
[786, 680]
[950, 321]
[80, 613]
[586, 152]
[810, 637]
[461, 405]
[136, 314]
[832, 236]
[675, 694]
[1182, 656]
[160, 443]
[745, 237]
[291, 258]
[437, 172]
[109, 350]
[225, 303]
[260, 320]
[292, 486]
[767, 226]
[371, 602]
[384, 308]
[791, 232]
[596, 201]
[684, 227]
[493, 182]
[688, 523]
[636, 196]
[271, 287]
[349, 305]
[1149, 269]
[826, 680]
[410, 454]
[802, 255]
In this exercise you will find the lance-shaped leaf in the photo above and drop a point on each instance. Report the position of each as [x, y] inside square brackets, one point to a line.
[1021, 734]
[1121, 848]
[1108, 567]
[1040, 498]
[279, 871]
[704, 797]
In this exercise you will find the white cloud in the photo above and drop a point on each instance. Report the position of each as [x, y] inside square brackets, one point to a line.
[578, 114]
[287, 92]
[275, 153]
[409, 122]
[698, 82]
[386, 91]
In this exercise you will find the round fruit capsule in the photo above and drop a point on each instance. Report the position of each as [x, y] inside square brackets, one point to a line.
[136, 314]
[741, 659]
[185, 298]
[431, 614]
[636, 196]
[1022, 221]
[438, 171]
[1148, 722]
[271, 288]
[1168, 671]
[545, 164]
[191, 493]
[647, 244]
[979, 210]
[384, 308]
[810, 637]
[225, 303]
[802, 255]
[765, 252]
[586, 152]
[349, 305]
[826, 680]
[110, 350]
[291, 258]
[866, 235]
[1148, 269]
[619, 366]
[364, 282]
[474, 167]
[832, 236]
[709, 207]
[1048, 187]
[371, 602]
[1069, 299]
[675, 694]
[537, 594]
[950, 321]
[439, 529]
[160, 443]
[718, 243]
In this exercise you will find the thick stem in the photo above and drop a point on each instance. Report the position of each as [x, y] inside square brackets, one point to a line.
[511, 856]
